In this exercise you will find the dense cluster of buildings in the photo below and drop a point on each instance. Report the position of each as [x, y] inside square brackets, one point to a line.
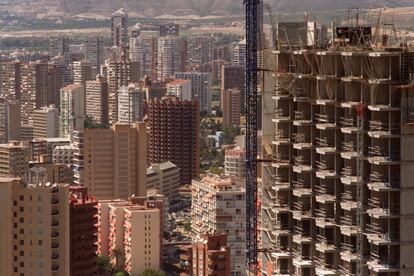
[96, 144]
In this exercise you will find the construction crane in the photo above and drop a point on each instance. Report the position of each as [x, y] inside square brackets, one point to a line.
[252, 207]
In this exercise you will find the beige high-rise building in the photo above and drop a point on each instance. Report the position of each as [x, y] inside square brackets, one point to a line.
[165, 178]
[115, 161]
[82, 72]
[134, 231]
[10, 80]
[10, 120]
[97, 99]
[219, 206]
[72, 109]
[14, 159]
[34, 89]
[231, 107]
[46, 122]
[34, 235]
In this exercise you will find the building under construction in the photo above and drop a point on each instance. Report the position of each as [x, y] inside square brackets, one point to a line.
[338, 148]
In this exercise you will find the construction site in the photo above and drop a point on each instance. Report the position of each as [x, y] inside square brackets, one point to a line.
[337, 172]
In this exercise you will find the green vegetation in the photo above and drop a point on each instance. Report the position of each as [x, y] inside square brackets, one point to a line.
[187, 227]
[91, 123]
[230, 133]
[152, 272]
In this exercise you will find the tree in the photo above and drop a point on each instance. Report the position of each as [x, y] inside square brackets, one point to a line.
[104, 265]
[152, 272]
[229, 134]
[91, 123]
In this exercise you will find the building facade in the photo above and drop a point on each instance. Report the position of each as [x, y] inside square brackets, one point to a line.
[35, 234]
[231, 107]
[235, 162]
[10, 120]
[178, 140]
[132, 230]
[46, 122]
[115, 161]
[131, 103]
[180, 88]
[219, 206]
[200, 87]
[165, 178]
[97, 100]
[14, 160]
[72, 109]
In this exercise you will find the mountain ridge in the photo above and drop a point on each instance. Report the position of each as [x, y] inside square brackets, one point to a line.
[154, 8]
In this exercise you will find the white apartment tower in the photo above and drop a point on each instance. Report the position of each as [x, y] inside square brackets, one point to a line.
[131, 101]
[200, 87]
[219, 206]
[169, 57]
[72, 109]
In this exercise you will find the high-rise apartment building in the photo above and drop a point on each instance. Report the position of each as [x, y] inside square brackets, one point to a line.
[82, 72]
[231, 107]
[33, 89]
[119, 28]
[170, 57]
[340, 134]
[54, 83]
[165, 178]
[239, 53]
[144, 51]
[46, 122]
[10, 120]
[219, 206]
[232, 76]
[132, 230]
[178, 140]
[199, 51]
[210, 255]
[235, 162]
[59, 46]
[131, 102]
[34, 237]
[10, 80]
[72, 109]
[169, 29]
[115, 161]
[83, 232]
[14, 159]
[78, 157]
[97, 99]
[93, 52]
[118, 74]
[180, 88]
[154, 90]
[200, 87]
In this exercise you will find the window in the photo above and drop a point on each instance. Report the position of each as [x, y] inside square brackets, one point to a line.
[21, 264]
[40, 242]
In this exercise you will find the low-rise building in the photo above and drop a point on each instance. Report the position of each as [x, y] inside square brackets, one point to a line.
[210, 254]
[235, 162]
[166, 178]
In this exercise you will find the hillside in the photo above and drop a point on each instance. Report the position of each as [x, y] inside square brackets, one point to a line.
[154, 8]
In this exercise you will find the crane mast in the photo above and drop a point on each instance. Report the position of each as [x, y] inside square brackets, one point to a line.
[252, 207]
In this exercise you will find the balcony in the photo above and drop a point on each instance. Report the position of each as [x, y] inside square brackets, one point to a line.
[324, 122]
[55, 256]
[55, 267]
[55, 245]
